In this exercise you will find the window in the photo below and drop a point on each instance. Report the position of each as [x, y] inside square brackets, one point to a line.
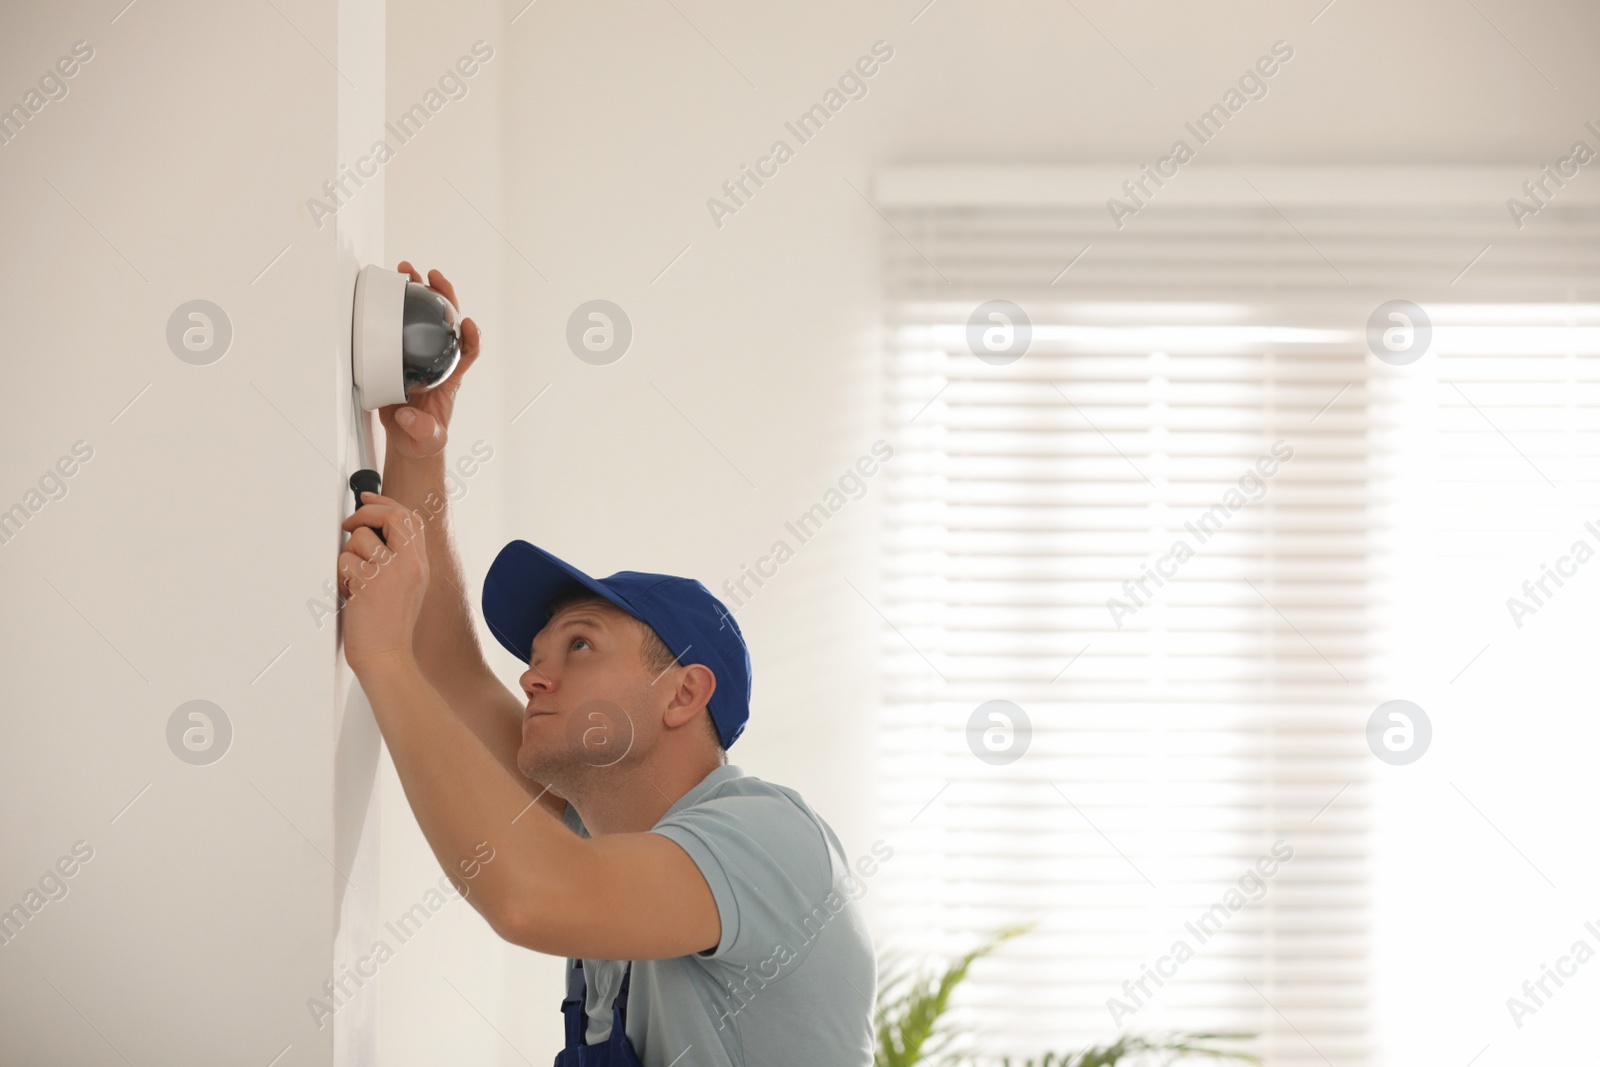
[1181, 534]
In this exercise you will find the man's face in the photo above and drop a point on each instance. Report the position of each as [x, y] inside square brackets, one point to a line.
[587, 689]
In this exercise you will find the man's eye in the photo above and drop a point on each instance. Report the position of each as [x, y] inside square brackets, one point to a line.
[576, 641]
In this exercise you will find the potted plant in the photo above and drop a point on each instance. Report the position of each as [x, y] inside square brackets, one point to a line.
[912, 1000]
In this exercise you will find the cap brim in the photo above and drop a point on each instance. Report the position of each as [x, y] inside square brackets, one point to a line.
[520, 584]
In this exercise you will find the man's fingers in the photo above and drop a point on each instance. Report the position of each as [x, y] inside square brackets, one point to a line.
[425, 430]
[364, 555]
[350, 582]
[399, 524]
[440, 282]
[426, 433]
[469, 355]
[436, 280]
[369, 512]
[355, 572]
[366, 544]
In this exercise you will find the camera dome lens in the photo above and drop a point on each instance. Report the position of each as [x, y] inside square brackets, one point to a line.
[429, 345]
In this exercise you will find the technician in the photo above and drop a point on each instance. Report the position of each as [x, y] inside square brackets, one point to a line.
[706, 915]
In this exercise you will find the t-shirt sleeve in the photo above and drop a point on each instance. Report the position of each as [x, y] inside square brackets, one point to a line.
[768, 866]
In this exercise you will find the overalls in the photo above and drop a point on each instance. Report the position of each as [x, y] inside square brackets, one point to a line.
[615, 1051]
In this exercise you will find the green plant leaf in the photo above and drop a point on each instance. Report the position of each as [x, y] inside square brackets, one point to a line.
[911, 1004]
[912, 1001]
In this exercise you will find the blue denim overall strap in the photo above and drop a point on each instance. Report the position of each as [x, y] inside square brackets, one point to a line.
[615, 1051]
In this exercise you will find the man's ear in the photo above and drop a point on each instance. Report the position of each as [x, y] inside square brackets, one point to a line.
[695, 684]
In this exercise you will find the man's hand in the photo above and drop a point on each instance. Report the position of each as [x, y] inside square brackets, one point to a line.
[417, 429]
[383, 583]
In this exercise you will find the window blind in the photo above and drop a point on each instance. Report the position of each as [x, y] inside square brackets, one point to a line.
[1201, 378]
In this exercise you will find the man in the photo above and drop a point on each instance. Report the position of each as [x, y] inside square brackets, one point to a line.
[708, 917]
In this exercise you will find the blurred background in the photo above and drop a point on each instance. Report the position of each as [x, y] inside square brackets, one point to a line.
[1182, 546]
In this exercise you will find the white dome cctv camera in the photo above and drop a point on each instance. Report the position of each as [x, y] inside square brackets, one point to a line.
[404, 338]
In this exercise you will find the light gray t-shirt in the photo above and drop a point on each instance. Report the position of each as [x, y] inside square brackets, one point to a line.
[791, 984]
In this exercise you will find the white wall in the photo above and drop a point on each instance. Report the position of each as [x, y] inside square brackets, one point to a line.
[447, 991]
[179, 562]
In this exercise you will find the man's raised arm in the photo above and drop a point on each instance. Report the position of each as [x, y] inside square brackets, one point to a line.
[446, 644]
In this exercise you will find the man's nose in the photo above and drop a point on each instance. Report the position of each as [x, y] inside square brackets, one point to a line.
[535, 681]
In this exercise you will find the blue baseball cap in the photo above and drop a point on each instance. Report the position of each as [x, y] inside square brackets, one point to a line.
[696, 626]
